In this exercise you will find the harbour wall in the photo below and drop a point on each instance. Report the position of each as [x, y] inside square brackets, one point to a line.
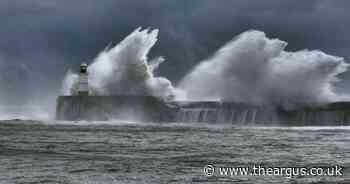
[150, 109]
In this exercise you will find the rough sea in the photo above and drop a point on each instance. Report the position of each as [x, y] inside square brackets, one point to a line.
[127, 152]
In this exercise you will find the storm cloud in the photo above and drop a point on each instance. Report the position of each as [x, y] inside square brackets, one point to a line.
[40, 40]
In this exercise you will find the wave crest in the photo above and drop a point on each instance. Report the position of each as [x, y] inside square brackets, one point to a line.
[255, 69]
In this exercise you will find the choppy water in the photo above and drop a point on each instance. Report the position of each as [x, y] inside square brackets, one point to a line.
[116, 152]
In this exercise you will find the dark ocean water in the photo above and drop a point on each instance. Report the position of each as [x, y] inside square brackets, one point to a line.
[119, 152]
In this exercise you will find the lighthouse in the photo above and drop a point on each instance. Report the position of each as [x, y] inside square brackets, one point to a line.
[83, 89]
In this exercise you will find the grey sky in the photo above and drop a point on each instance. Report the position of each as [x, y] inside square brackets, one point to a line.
[40, 40]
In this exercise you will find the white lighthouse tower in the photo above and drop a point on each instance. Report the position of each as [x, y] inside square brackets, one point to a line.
[83, 88]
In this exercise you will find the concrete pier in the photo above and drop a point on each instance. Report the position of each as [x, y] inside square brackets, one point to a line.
[138, 108]
[150, 109]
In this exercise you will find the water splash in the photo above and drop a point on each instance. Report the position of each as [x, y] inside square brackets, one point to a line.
[125, 69]
[251, 68]
[255, 69]
[70, 83]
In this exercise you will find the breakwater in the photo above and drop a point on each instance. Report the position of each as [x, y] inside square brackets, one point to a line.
[150, 109]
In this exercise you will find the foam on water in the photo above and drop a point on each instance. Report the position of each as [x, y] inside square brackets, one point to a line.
[25, 112]
[302, 128]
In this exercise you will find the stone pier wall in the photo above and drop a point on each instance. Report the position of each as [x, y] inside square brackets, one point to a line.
[150, 109]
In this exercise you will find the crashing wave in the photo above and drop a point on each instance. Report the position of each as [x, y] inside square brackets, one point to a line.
[251, 69]
[125, 69]
[255, 69]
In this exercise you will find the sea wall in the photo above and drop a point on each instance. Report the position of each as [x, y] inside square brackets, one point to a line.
[150, 109]
[138, 108]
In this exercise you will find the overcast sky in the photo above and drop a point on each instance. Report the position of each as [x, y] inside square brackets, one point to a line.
[41, 39]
